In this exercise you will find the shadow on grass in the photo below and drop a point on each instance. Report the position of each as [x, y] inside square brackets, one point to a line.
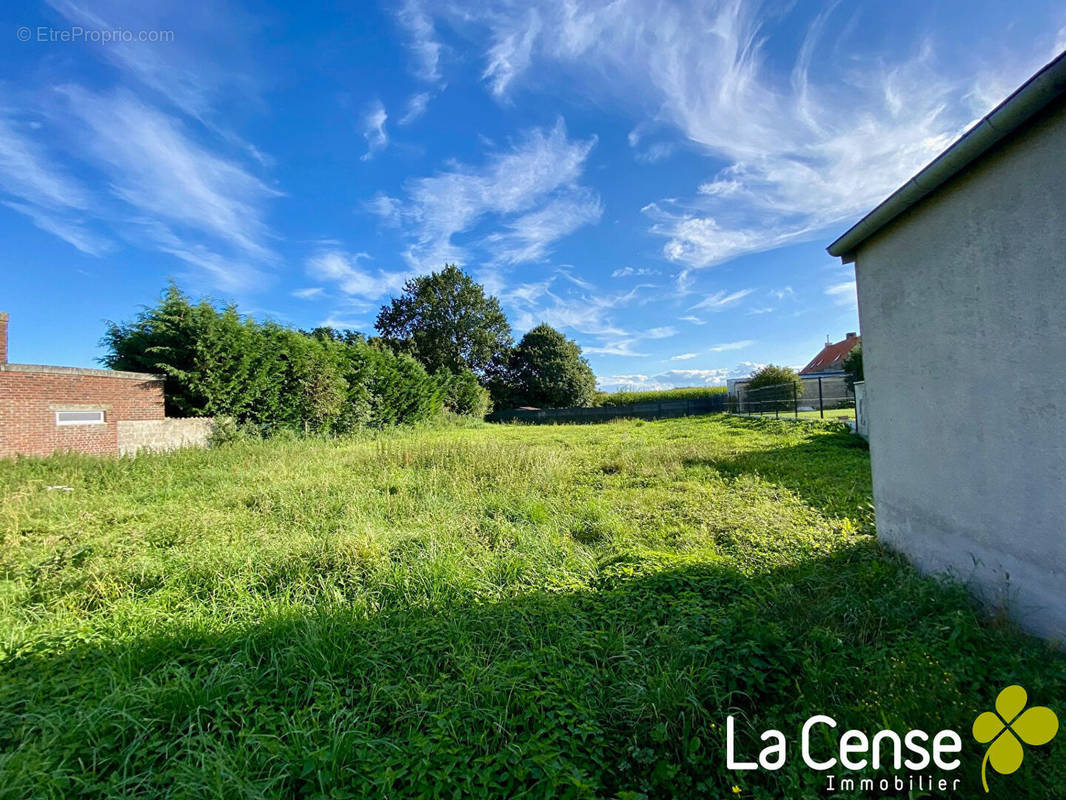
[830, 471]
[618, 691]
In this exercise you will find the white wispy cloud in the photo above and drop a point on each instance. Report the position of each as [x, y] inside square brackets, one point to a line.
[718, 348]
[618, 342]
[201, 72]
[794, 163]
[626, 272]
[843, 293]
[619, 347]
[308, 293]
[345, 323]
[156, 167]
[675, 378]
[581, 312]
[530, 236]
[423, 41]
[530, 190]
[511, 50]
[30, 173]
[73, 233]
[721, 300]
[232, 271]
[722, 348]
[345, 270]
[42, 191]
[373, 127]
[416, 107]
[664, 332]
[693, 320]
[166, 174]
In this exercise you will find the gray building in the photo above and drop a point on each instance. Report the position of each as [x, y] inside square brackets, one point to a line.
[962, 303]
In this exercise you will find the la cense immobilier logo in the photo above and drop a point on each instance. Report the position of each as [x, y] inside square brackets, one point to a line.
[909, 758]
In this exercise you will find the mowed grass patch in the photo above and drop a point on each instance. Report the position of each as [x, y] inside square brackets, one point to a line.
[564, 611]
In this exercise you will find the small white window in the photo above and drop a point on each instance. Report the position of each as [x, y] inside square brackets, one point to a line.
[79, 418]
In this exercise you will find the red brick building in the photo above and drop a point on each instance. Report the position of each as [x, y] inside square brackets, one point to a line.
[48, 409]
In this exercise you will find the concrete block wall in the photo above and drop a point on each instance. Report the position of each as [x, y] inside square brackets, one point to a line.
[163, 435]
[862, 416]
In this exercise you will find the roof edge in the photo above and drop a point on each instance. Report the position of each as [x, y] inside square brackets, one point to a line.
[43, 369]
[1023, 104]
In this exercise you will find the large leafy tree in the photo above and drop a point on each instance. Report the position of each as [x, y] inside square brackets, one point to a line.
[447, 322]
[548, 371]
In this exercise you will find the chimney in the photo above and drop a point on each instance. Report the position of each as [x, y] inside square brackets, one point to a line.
[851, 335]
[3, 337]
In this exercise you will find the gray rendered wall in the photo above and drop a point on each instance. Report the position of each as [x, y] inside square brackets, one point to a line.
[963, 309]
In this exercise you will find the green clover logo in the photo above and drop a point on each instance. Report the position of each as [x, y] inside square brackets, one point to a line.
[1010, 725]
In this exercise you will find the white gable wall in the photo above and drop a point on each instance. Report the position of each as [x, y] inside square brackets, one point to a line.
[962, 303]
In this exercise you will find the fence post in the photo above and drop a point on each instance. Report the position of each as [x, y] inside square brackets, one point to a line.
[795, 402]
[821, 405]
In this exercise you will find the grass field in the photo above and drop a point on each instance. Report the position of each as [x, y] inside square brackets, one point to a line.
[478, 611]
[625, 398]
[830, 414]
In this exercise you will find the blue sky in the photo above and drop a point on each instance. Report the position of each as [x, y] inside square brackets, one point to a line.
[656, 179]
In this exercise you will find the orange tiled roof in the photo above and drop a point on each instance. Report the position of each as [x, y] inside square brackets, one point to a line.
[832, 355]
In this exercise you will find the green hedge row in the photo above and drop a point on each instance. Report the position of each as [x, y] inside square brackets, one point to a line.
[267, 376]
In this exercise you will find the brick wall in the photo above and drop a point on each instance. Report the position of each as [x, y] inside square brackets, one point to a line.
[30, 396]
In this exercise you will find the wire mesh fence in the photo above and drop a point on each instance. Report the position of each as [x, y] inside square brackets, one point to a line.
[811, 399]
[682, 407]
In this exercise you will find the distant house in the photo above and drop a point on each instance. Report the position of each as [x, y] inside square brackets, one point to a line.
[824, 383]
[46, 409]
[961, 279]
[830, 361]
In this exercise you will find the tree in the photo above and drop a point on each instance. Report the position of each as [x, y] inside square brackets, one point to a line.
[464, 394]
[548, 371]
[446, 321]
[853, 367]
[164, 339]
[773, 387]
[218, 362]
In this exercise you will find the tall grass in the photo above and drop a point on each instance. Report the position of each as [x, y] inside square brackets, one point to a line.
[628, 398]
[484, 611]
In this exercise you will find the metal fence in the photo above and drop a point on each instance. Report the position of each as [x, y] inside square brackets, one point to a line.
[653, 410]
[809, 401]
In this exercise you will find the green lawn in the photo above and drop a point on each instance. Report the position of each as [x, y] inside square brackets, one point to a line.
[563, 611]
[830, 414]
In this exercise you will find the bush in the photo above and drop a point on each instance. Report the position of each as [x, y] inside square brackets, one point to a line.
[268, 377]
[774, 388]
[401, 391]
[464, 395]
